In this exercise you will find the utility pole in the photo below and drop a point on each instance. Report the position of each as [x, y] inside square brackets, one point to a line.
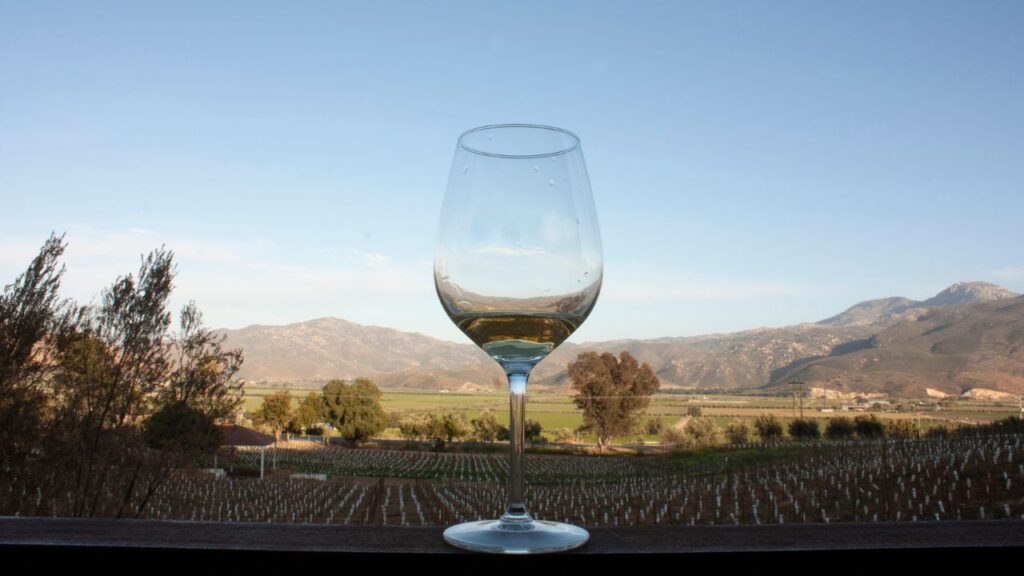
[798, 391]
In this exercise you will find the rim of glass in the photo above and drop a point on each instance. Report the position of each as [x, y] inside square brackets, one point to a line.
[575, 138]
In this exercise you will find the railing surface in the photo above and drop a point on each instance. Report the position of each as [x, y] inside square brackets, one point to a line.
[688, 540]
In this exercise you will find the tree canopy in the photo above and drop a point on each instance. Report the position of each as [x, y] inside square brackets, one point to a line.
[203, 371]
[486, 427]
[354, 409]
[32, 320]
[310, 412]
[276, 412]
[612, 392]
[104, 393]
[446, 429]
[178, 427]
[768, 427]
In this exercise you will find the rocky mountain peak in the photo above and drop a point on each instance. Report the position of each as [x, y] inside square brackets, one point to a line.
[886, 311]
[969, 292]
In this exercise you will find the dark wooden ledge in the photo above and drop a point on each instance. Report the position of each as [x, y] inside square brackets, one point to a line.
[38, 535]
[259, 548]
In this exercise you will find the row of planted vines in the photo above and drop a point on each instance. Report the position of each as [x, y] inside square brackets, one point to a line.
[931, 479]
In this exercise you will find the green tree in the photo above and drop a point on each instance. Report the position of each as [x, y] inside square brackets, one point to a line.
[840, 428]
[768, 427]
[310, 412]
[738, 432]
[414, 427]
[654, 426]
[902, 428]
[354, 409]
[109, 374]
[694, 411]
[32, 319]
[110, 387]
[533, 431]
[675, 436]
[181, 428]
[804, 429]
[446, 429]
[566, 436]
[703, 432]
[869, 426]
[203, 372]
[276, 412]
[394, 417]
[485, 427]
[612, 393]
[1008, 425]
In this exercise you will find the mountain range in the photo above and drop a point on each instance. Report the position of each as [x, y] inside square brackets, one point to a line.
[969, 336]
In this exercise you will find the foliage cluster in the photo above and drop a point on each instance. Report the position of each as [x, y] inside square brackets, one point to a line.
[611, 392]
[98, 402]
[443, 429]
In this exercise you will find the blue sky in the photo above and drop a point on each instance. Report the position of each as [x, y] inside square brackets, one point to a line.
[753, 163]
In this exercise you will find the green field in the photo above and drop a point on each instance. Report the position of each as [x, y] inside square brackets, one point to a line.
[555, 412]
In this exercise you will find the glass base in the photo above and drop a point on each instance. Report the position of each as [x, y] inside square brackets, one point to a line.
[532, 537]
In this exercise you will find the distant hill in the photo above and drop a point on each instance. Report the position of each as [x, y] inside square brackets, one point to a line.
[716, 362]
[326, 348]
[319, 350]
[872, 312]
[845, 351]
[952, 349]
[889, 310]
[969, 293]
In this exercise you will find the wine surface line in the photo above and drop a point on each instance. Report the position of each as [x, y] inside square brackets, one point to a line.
[517, 337]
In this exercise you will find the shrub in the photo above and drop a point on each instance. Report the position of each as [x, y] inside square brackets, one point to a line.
[768, 427]
[179, 427]
[654, 426]
[869, 427]
[738, 432]
[902, 429]
[533, 431]
[485, 428]
[446, 429]
[674, 437]
[804, 429]
[394, 418]
[1008, 425]
[414, 427]
[703, 432]
[565, 435]
[840, 427]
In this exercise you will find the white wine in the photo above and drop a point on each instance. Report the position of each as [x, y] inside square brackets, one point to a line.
[522, 337]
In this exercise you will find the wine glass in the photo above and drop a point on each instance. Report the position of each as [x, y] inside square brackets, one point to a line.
[518, 268]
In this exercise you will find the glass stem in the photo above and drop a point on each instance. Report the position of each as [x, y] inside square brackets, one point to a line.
[516, 514]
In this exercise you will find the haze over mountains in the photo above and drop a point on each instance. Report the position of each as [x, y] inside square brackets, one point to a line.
[970, 335]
